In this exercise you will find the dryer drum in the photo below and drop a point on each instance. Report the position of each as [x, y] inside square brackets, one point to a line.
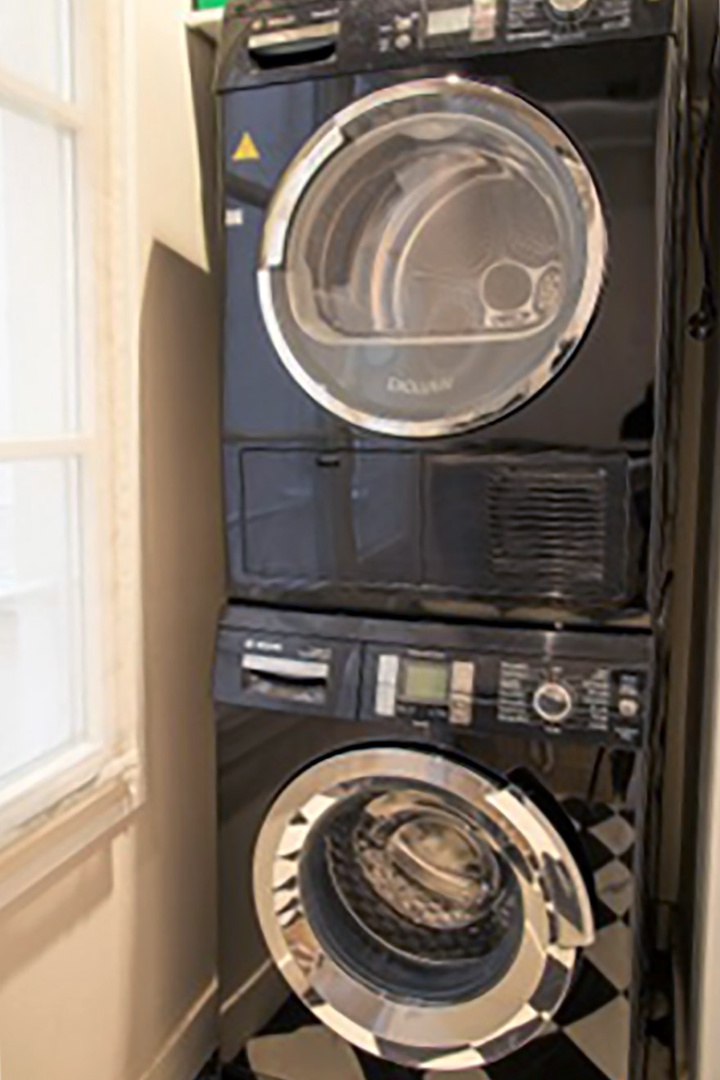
[425, 910]
[432, 257]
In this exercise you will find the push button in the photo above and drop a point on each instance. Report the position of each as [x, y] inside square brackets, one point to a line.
[386, 688]
[629, 707]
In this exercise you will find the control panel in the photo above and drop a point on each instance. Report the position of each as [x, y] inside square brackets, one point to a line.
[262, 37]
[424, 675]
[579, 696]
[479, 678]
[548, 20]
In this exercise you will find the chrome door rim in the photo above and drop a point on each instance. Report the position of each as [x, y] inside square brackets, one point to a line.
[330, 139]
[444, 1037]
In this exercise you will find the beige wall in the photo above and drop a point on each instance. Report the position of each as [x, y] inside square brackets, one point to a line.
[108, 970]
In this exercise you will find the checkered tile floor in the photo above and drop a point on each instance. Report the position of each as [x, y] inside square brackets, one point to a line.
[311, 1052]
[294, 1047]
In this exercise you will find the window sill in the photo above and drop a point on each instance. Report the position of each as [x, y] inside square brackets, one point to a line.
[51, 840]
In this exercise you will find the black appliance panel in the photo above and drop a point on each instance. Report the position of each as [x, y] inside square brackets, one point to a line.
[511, 529]
[611, 101]
[331, 516]
[496, 692]
[616, 101]
[536, 526]
[270, 42]
[465, 678]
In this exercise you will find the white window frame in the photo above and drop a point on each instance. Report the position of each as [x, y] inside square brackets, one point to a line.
[60, 806]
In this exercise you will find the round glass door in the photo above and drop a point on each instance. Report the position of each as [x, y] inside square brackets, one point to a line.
[432, 258]
[425, 911]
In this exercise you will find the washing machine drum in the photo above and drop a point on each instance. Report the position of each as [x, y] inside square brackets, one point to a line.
[426, 911]
[432, 258]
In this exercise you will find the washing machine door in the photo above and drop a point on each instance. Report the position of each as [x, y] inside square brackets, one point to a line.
[426, 911]
[432, 258]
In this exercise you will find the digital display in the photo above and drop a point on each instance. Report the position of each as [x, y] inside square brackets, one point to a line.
[425, 681]
[454, 20]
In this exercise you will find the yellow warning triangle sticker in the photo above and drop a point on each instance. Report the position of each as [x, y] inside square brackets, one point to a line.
[247, 150]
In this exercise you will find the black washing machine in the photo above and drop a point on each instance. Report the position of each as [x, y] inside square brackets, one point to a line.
[457, 882]
[452, 303]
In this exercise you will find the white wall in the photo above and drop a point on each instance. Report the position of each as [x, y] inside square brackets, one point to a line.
[107, 972]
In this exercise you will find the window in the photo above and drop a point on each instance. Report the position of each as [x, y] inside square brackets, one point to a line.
[69, 581]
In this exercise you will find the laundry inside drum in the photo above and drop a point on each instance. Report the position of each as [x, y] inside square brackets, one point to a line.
[425, 862]
[408, 893]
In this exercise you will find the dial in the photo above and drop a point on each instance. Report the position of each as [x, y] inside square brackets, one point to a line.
[552, 702]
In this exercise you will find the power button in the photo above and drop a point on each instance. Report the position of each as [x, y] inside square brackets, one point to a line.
[552, 702]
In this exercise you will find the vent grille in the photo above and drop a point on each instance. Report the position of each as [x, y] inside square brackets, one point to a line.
[558, 528]
[551, 526]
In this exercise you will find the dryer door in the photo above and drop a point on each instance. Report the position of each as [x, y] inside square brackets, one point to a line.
[426, 911]
[432, 258]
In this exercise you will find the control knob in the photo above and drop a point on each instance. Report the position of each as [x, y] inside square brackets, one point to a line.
[568, 9]
[552, 702]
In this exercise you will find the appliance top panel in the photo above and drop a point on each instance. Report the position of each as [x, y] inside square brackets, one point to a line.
[585, 685]
[279, 40]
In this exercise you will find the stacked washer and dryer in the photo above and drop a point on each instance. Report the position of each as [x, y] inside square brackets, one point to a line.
[452, 327]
